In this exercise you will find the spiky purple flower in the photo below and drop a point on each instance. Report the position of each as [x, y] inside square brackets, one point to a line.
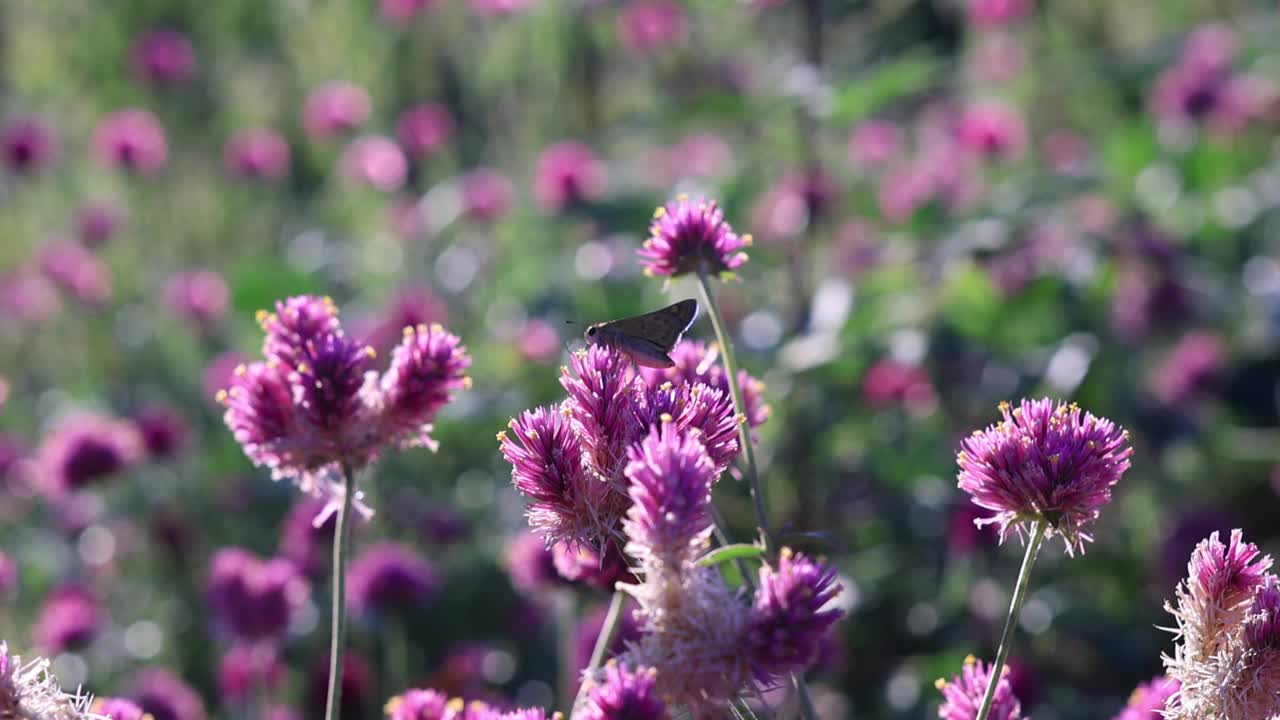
[625, 694]
[697, 362]
[165, 696]
[263, 419]
[297, 321]
[1262, 624]
[29, 145]
[255, 599]
[689, 237]
[670, 478]
[420, 705]
[389, 577]
[790, 617]
[131, 139]
[699, 408]
[119, 709]
[1045, 461]
[327, 383]
[1149, 700]
[84, 450]
[962, 696]
[426, 368]
[71, 617]
[602, 409]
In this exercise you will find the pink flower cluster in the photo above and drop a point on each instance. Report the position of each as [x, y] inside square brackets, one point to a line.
[1203, 87]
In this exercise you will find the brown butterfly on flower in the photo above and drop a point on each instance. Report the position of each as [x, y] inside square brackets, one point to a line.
[647, 339]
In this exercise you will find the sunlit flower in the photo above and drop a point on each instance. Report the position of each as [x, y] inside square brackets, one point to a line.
[699, 408]
[426, 369]
[255, 599]
[1046, 461]
[698, 362]
[625, 694]
[567, 173]
[583, 563]
[389, 577]
[997, 13]
[1150, 700]
[419, 705]
[257, 154]
[424, 129]
[29, 145]
[70, 618]
[690, 237]
[962, 696]
[164, 57]
[165, 696]
[84, 450]
[131, 139]
[334, 109]
[30, 691]
[790, 617]
[670, 478]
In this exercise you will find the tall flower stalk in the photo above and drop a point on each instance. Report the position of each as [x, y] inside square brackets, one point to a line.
[338, 619]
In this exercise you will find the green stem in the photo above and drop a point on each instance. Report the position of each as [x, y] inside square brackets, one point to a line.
[1037, 532]
[744, 427]
[608, 631]
[338, 628]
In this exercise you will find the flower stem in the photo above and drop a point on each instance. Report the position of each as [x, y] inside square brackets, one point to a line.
[1037, 531]
[338, 628]
[744, 427]
[608, 631]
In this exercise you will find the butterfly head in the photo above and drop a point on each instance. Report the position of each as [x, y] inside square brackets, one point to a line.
[592, 333]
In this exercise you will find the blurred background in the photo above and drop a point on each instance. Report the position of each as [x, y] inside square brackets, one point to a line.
[954, 202]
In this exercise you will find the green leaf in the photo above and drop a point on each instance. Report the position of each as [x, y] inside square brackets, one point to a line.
[731, 552]
[883, 85]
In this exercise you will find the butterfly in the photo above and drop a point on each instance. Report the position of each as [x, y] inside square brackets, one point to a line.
[649, 337]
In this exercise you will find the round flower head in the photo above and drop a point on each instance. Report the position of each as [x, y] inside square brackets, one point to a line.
[670, 478]
[334, 109]
[376, 161]
[687, 237]
[29, 146]
[85, 450]
[30, 691]
[76, 270]
[388, 577]
[165, 696]
[198, 296]
[69, 620]
[261, 416]
[163, 431]
[701, 409]
[567, 173]
[697, 362]
[247, 668]
[96, 222]
[788, 622]
[257, 154]
[296, 321]
[602, 409]
[625, 694]
[420, 705]
[255, 599]
[487, 194]
[119, 709]
[132, 140]
[1045, 461]
[424, 129]
[164, 57]
[993, 129]
[426, 369]
[1149, 700]
[962, 696]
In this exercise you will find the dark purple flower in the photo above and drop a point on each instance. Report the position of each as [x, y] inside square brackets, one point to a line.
[648, 25]
[962, 696]
[132, 140]
[198, 296]
[582, 563]
[296, 322]
[164, 57]
[442, 525]
[427, 367]
[625, 694]
[84, 450]
[697, 408]
[376, 161]
[70, 618]
[8, 575]
[963, 534]
[993, 129]
[1046, 461]
[77, 271]
[163, 431]
[249, 668]
[308, 546]
[1149, 700]
[424, 129]
[487, 194]
[568, 173]
[166, 696]
[257, 154]
[261, 415]
[389, 577]
[698, 362]
[96, 223]
[420, 705]
[118, 709]
[690, 237]
[602, 409]
[670, 477]
[530, 564]
[29, 145]
[788, 621]
[335, 109]
[327, 383]
[1262, 624]
[254, 599]
[1191, 366]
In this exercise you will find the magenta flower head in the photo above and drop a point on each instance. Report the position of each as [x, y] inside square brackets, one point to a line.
[389, 577]
[29, 145]
[426, 369]
[70, 618]
[421, 705]
[257, 154]
[698, 362]
[1190, 367]
[253, 598]
[649, 25]
[688, 237]
[248, 668]
[790, 618]
[131, 140]
[602, 409]
[997, 13]
[163, 430]
[118, 709]
[993, 129]
[261, 416]
[334, 109]
[670, 478]
[77, 271]
[1046, 461]
[487, 194]
[530, 564]
[200, 297]
[164, 58]
[700, 409]
[424, 129]
[377, 162]
[962, 696]
[165, 696]
[1150, 700]
[568, 173]
[625, 694]
[96, 223]
[85, 450]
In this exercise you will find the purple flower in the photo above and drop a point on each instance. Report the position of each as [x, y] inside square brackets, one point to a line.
[889, 382]
[96, 223]
[1226, 575]
[84, 450]
[164, 57]
[165, 696]
[8, 575]
[408, 307]
[1149, 700]
[530, 564]
[690, 237]
[28, 296]
[297, 321]
[1045, 461]
[670, 478]
[76, 270]
[118, 709]
[1190, 367]
[249, 668]
[487, 194]
[133, 140]
[257, 154]
[401, 12]
[582, 563]
[997, 13]
[29, 145]
[424, 129]
[163, 431]
[421, 705]
[70, 618]
[697, 408]
[568, 173]
[602, 409]
[993, 129]
[648, 25]
[697, 362]
[334, 109]
[308, 546]
[625, 694]
[261, 416]
[1262, 624]
[389, 577]
[874, 143]
[788, 622]
[962, 696]
[426, 369]
[198, 296]
[254, 599]
[376, 161]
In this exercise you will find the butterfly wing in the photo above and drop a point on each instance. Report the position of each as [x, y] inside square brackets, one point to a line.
[649, 337]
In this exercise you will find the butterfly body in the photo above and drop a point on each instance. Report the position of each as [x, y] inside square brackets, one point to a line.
[646, 338]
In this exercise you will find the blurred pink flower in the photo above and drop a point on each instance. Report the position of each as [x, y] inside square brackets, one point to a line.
[499, 8]
[164, 57]
[257, 154]
[131, 139]
[992, 129]
[29, 145]
[97, 222]
[962, 696]
[401, 12]
[891, 382]
[1149, 700]
[567, 173]
[785, 210]
[249, 668]
[648, 25]
[997, 13]
[164, 432]
[70, 618]
[1066, 152]
[77, 271]
[334, 109]
[27, 297]
[408, 307]
[874, 143]
[424, 129]
[255, 599]
[539, 341]
[1190, 367]
[200, 297]
[377, 161]
[998, 57]
[84, 450]
[530, 564]
[165, 696]
[487, 194]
